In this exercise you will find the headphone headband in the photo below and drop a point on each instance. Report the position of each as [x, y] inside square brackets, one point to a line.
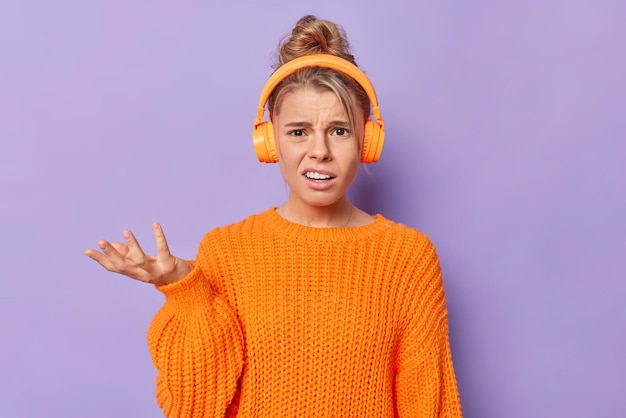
[318, 60]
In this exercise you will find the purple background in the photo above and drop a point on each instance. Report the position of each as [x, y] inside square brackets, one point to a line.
[505, 143]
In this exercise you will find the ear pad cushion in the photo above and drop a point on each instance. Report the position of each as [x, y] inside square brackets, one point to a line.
[373, 139]
[264, 143]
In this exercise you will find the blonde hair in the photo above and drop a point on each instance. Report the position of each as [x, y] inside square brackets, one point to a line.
[314, 36]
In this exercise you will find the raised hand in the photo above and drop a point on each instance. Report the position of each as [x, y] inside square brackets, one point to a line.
[130, 260]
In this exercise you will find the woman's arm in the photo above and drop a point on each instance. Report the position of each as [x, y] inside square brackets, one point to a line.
[425, 383]
[197, 348]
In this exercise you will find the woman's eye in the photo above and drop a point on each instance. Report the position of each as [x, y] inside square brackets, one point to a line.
[340, 132]
[297, 132]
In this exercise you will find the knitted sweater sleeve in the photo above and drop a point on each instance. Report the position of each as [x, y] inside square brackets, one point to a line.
[425, 380]
[196, 345]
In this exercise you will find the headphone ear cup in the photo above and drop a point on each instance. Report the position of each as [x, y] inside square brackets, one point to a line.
[373, 140]
[264, 143]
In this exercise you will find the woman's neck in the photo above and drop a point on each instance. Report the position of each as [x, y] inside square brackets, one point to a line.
[338, 215]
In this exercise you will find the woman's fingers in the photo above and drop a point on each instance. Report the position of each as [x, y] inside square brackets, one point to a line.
[163, 251]
[97, 257]
[135, 254]
[110, 251]
[121, 248]
[109, 258]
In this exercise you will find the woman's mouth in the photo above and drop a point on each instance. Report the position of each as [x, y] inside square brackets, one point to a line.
[313, 175]
[319, 180]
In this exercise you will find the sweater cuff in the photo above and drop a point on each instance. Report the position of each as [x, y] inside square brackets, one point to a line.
[188, 293]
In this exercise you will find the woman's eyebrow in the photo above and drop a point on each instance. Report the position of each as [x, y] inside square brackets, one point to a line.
[298, 124]
[340, 123]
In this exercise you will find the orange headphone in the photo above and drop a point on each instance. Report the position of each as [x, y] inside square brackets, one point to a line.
[263, 133]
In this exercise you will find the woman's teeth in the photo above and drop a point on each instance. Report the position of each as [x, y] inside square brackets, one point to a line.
[317, 176]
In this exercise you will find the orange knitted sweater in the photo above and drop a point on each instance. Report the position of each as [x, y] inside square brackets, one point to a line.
[283, 320]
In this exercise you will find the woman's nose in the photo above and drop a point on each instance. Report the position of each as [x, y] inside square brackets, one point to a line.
[319, 149]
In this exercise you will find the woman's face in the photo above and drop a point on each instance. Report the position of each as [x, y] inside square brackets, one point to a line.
[318, 154]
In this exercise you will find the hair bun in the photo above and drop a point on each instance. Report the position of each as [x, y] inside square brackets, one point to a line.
[311, 36]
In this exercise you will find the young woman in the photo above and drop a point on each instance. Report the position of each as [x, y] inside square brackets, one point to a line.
[313, 308]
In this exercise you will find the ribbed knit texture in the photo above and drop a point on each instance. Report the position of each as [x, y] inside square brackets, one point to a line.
[283, 320]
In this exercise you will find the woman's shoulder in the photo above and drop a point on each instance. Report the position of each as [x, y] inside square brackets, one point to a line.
[406, 243]
[248, 223]
[403, 231]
